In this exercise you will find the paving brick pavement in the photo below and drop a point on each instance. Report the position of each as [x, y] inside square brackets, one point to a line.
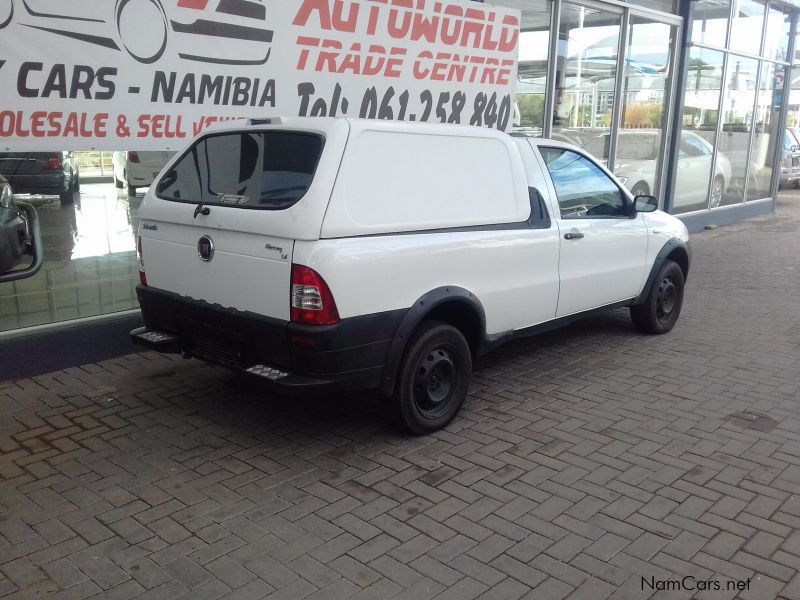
[584, 460]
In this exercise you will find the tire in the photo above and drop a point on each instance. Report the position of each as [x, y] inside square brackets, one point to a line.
[433, 379]
[68, 195]
[717, 189]
[662, 306]
[118, 183]
[76, 184]
[131, 191]
[640, 189]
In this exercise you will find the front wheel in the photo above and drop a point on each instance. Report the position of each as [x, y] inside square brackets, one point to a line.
[662, 306]
[433, 379]
[717, 189]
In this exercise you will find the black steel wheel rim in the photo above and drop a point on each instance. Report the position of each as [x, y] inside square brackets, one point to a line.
[435, 382]
[666, 299]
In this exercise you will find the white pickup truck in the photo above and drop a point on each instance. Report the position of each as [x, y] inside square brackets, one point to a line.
[322, 254]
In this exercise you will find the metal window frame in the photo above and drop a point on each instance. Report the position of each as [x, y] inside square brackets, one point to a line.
[720, 105]
[787, 88]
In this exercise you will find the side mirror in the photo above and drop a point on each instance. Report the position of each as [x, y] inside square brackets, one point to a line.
[645, 203]
[18, 236]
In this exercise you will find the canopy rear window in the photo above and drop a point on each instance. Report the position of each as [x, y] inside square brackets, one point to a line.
[264, 169]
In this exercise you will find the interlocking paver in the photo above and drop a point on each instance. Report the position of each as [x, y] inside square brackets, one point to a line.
[583, 461]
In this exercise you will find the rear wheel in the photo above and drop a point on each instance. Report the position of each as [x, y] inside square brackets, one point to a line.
[433, 379]
[68, 195]
[118, 183]
[640, 189]
[661, 308]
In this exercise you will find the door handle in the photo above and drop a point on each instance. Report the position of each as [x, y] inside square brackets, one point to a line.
[573, 235]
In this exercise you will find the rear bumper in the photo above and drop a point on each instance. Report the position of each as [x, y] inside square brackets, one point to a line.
[54, 183]
[350, 355]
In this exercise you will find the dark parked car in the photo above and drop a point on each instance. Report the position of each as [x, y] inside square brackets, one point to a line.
[14, 239]
[46, 173]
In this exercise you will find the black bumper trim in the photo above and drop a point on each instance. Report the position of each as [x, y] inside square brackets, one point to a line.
[347, 356]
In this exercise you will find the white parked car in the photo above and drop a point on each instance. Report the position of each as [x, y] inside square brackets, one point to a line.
[138, 169]
[320, 254]
[637, 152]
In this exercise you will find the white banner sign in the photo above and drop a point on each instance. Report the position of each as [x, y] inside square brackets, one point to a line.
[150, 74]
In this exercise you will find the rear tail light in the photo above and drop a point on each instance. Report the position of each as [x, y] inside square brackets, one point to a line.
[133, 157]
[311, 300]
[54, 163]
[140, 260]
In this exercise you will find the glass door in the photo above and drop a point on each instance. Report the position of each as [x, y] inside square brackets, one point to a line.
[585, 82]
[646, 85]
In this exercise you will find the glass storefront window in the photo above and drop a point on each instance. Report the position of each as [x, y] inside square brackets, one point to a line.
[776, 42]
[698, 132]
[765, 136]
[747, 26]
[737, 123]
[585, 74]
[666, 6]
[534, 47]
[710, 24]
[646, 79]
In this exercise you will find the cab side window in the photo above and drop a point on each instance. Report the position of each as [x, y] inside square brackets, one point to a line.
[583, 189]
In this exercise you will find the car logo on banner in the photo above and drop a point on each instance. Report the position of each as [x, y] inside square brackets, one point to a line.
[205, 248]
[89, 22]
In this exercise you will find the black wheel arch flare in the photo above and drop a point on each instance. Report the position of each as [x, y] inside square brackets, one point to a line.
[675, 249]
[451, 304]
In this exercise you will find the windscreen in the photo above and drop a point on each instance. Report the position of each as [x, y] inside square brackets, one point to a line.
[263, 169]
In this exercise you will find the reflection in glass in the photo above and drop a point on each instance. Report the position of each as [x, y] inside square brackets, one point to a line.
[534, 45]
[765, 136]
[776, 41]
[748, 23]
[667, 6]
[737, 122]
[646, 77]
[710, 25]
[90, 263]
[698, 134]
[585, 74]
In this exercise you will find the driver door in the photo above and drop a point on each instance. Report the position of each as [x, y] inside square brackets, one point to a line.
[603, 250]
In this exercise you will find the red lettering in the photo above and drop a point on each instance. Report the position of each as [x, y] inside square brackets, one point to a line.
[37, 123]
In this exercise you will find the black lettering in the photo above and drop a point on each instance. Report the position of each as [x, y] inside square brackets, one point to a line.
[651, 584]
[211, 87]
[103, 75]
[163, 88]
[82, 80]
[305, 91]
[689, 583]
[187, 91]
[56, 82]
[268, 95]
[22, 80]
[241, 91]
